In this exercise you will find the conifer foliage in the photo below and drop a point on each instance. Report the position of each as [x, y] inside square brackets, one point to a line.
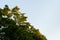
[14, 26]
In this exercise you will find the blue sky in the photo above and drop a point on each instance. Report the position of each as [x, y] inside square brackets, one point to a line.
[43, 14]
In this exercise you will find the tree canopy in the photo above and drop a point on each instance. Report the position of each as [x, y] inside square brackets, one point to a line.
[14, 26]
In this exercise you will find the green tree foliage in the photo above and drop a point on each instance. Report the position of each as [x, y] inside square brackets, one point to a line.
[14, 26]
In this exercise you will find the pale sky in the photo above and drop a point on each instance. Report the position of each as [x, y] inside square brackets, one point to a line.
[43, 14]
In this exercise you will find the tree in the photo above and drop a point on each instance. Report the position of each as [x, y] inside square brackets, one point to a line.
[14, 26]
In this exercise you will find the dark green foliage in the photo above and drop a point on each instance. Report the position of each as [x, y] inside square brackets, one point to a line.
[14, 26]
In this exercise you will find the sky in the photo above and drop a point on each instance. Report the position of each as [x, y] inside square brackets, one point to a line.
[43, 14]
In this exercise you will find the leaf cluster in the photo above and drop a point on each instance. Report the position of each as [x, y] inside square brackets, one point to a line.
[14, 26]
